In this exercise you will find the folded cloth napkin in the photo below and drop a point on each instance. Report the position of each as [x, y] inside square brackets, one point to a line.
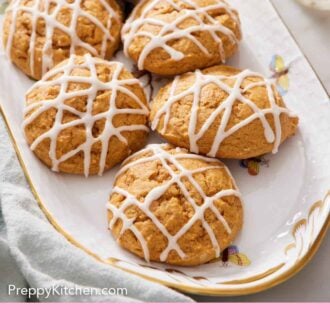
[34, 255]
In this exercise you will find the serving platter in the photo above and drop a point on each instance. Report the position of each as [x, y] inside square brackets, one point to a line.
[286, 195]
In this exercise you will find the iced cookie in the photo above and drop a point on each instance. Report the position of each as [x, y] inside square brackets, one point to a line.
[38, 34]
[223, 112]
[171, 37]
[171, 206]
[86, 115]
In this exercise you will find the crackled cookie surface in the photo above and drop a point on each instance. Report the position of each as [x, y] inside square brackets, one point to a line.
[223, 112]
[171, 206]
[38, 34]
[86, 115]
[169, 37]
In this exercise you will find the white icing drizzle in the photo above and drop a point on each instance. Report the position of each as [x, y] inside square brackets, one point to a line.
[235, 93]
[87, 118]
[40, 10]
[171, 31]
[168, 161]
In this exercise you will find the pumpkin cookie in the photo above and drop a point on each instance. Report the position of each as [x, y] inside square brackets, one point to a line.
[38, 34]
[172, 37]
[223, 112]
[171, 206]
[86, 115]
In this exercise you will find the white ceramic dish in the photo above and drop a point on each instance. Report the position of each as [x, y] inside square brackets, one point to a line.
[316, 4]
[287, 204]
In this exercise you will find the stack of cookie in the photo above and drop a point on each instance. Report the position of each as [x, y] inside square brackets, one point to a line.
[175, 203]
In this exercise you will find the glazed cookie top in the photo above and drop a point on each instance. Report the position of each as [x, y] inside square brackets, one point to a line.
[83, 113]
[223, 112]
[175, 36]
[182, 208]
[39, 34]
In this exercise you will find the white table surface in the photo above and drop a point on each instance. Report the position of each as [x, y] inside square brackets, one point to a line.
[311, 30]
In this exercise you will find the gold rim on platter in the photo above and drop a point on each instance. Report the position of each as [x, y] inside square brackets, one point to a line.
[182, 287]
